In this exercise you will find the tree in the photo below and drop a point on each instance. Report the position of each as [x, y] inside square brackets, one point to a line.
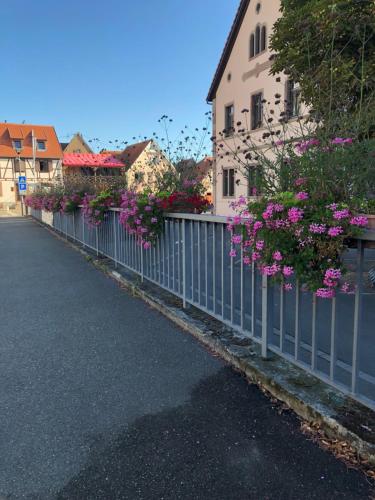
[328, 47]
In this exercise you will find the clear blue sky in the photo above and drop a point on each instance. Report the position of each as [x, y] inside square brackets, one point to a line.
[110, 68]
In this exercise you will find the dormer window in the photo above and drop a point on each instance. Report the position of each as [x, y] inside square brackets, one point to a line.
[258, 41]
[17, 144]
[41, 145]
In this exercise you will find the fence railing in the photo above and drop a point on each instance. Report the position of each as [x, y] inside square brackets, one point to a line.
[332, 339]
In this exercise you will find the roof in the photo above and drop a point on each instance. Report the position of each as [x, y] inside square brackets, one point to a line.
[91, 160]
[228, 49]
[205, 166]
[77, 144]
[12, 131]
[131, 153]
[64, 145]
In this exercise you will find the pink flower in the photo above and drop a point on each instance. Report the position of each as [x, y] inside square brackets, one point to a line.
[146, 245]
[247, 260]
[295, 214]
[288, 271]
[258, 225]
[325, 293]
[255, 256]
[148, 208]
[259, 245]
[302, 196]
[233, 253]
[335, 231]
[300, 181]
[277, 256]
[154, 220]
[341, 214]
[317, 228]
[288, 287]
[237, 239]
[270, 270]
[359, 220]
[340, 140]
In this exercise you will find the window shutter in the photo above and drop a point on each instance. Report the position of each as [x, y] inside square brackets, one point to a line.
[252, 45]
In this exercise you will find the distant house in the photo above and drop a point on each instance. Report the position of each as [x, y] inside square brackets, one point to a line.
[91, 164]
[77, 144]
[33, 151]
[204, 170]
[144, 162]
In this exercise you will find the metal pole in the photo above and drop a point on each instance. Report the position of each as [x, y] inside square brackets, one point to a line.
[97, 241]
[183, 266]
[267, 314]
[114, 237]
[357, 316]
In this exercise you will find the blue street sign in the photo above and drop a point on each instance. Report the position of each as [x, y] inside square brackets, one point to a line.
[22, 179]
[22, 187]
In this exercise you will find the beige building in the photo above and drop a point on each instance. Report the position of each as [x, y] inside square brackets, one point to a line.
[144, 163]
[77, 144]
[241, 90]
[27, 150]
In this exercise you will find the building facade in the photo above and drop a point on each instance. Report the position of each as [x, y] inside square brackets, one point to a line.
[240, 93]
[77, 144]
[144, 163]
[27, 150]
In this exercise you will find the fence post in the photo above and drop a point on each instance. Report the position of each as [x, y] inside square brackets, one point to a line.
[267, 314]
[142, 273]
[357, 316]
[183, 265]
[115, 237]
[74, 226]
[83, 227]
[97, 241]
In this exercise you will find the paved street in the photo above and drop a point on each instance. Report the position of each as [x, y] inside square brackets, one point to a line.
[104, 398]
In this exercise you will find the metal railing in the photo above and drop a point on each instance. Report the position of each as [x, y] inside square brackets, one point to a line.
[332, 339]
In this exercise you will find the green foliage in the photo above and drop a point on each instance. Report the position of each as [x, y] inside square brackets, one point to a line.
[328, 46]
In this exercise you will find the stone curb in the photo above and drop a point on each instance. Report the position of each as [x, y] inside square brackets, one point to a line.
[339, 416]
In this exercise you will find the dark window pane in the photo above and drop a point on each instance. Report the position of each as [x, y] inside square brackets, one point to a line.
[225, 183]
[229, 119]
[231, 182]
[256, 111]
[257, 40]
[252, 45]
[264, 39]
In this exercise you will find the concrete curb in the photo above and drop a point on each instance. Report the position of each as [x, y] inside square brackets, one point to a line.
[339, 416]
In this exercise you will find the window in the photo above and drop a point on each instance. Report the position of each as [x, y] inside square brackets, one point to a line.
[252, 45]
[228, 182]
[293, 99]
[19, 165]
[256, 111]
[43, 166]
[254, 180]
[263, 41]
[41, 145]
[229, 119]
[258, 41]
[17, 144]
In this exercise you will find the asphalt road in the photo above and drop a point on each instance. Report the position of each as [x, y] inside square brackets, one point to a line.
[103, 398]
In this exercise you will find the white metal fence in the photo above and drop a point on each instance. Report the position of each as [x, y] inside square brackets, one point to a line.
[333, 339]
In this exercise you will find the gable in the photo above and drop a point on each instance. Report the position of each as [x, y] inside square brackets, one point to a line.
[231, 40]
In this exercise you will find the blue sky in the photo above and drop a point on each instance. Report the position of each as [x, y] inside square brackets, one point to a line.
[110, 68]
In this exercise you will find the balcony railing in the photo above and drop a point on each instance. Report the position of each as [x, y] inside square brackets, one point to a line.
[332, 339]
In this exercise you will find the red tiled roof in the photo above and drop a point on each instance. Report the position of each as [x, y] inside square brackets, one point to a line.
[91, 160]
[12, 131]
[205, 166]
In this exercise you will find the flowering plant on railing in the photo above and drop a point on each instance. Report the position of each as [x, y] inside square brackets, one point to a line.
[70, 202]
[292, 235]
[185, 202]
[142, 216]
[95, 207]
